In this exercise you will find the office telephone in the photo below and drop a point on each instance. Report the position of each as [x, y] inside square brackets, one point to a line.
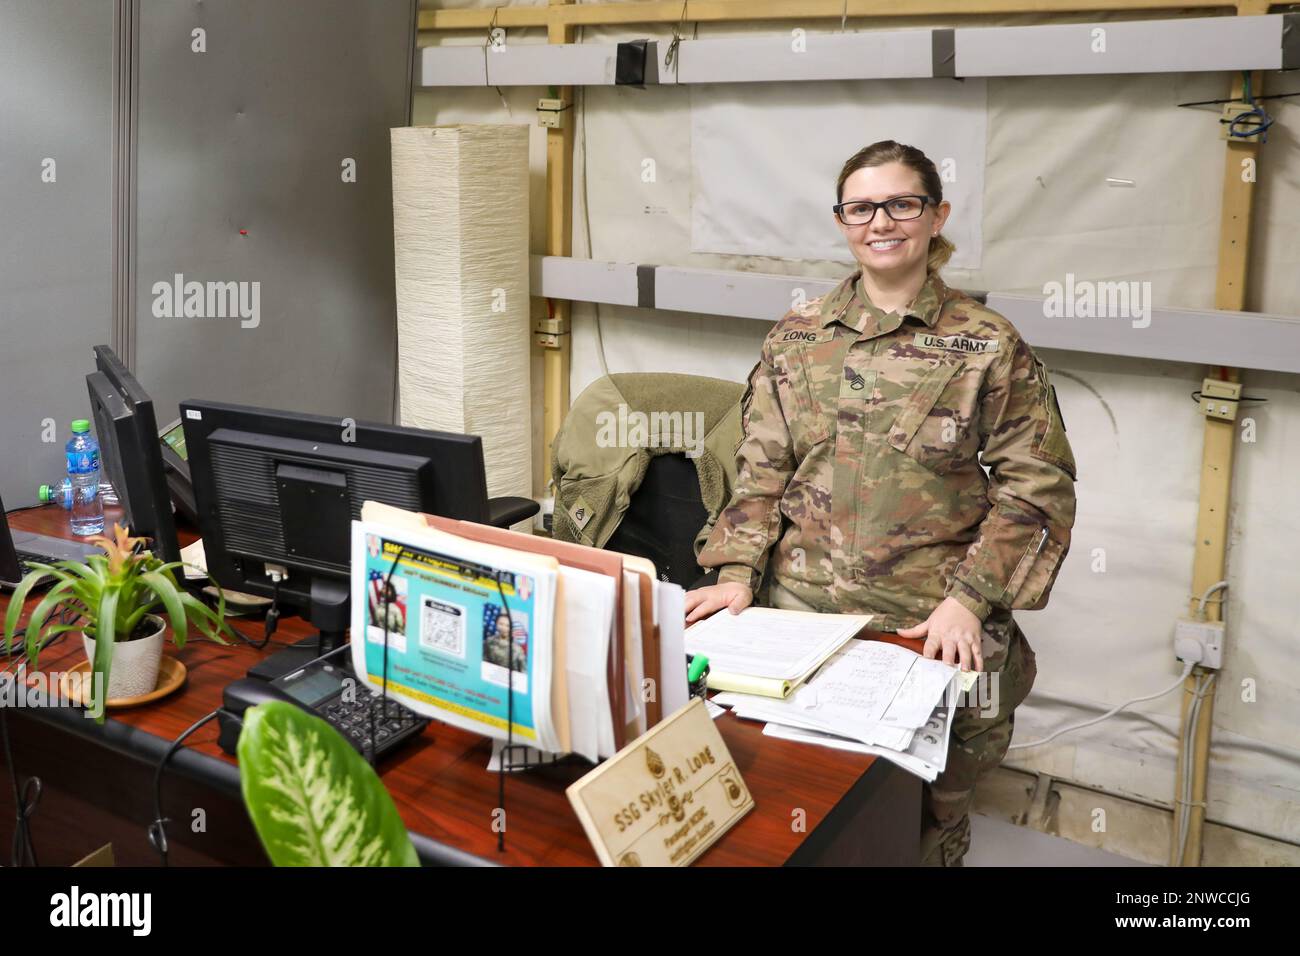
[329, 691]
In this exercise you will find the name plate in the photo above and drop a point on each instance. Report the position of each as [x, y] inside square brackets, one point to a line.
[666, 797]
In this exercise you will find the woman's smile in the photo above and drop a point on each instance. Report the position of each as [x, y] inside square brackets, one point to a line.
[885, 245]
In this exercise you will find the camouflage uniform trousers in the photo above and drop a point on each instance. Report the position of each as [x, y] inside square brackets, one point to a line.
[981, 732]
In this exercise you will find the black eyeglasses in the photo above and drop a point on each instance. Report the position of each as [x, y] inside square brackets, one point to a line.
[859, 212]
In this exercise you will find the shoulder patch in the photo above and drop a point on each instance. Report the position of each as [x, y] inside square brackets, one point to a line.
[1051, 444]
[580, 512]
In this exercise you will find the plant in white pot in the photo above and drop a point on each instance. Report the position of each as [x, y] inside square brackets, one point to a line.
[117, 600]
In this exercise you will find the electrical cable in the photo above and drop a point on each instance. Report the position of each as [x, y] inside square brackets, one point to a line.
[27, 794]
[1216, 586]
[1230, 99]
[1187, 670]
[16, 648]
[586, 216]
[510, 713]
[1197, 396]
[383, 677]
[670, 57]
[158, 829]
[1204, 683]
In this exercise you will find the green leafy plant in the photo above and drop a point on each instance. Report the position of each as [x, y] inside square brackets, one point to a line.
[107, 598]
[312, 798]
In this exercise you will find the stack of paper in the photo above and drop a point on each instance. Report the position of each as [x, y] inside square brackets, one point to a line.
[582, 648]
[767, 651]
[870, 697]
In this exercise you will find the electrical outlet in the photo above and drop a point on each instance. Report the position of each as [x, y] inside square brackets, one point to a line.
[1190, 635]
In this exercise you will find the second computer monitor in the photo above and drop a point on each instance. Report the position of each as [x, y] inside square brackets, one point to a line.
[278, 491]
[132, 458]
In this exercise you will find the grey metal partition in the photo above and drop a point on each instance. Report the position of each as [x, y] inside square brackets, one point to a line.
[242, 188]
[252, 142]
[56, 123]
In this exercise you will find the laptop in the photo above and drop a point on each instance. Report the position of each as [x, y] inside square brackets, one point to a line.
[18, 548]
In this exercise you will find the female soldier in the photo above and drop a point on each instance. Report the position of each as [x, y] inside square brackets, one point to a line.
[865, 422]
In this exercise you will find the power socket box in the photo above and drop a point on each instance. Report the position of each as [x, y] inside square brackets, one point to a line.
[1208, 635]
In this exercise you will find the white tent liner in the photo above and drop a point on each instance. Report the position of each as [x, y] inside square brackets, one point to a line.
[1051, 144]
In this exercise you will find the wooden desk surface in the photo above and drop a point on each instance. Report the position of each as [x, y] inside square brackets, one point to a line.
[440, 782]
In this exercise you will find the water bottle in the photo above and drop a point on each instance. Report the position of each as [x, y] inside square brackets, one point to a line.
[58, 491]
[83, 472]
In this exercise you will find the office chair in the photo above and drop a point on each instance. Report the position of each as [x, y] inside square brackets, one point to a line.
[653, 501]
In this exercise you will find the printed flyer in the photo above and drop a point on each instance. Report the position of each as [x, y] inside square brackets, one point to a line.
[465, 622]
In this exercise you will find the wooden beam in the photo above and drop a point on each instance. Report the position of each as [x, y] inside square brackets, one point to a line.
[1210, 557]
[722, 11]
[559, 242]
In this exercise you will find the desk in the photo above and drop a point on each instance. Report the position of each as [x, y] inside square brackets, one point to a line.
[98, 781]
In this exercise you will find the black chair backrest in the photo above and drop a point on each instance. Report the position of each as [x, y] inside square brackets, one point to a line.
[663, 518]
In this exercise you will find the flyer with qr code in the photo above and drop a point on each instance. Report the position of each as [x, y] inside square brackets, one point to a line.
[468, 628]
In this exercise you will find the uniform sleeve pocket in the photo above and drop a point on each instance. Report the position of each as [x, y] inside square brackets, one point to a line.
[746, 400]
[1030, 582]
[919, 405]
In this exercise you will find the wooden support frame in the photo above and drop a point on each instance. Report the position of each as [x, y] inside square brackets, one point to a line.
[738, 11]
[1209, 564]
[555, 339]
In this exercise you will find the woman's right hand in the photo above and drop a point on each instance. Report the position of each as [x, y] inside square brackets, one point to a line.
[702, 602]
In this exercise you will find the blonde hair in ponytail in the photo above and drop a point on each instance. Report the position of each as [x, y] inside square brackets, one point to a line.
[941, 250]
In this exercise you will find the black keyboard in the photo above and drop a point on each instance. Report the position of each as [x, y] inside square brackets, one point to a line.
[392, 722]
[25, 561]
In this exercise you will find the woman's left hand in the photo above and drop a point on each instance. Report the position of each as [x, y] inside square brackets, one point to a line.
[955, 631]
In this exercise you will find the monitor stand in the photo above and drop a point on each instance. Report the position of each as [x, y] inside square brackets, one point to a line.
[329, 611]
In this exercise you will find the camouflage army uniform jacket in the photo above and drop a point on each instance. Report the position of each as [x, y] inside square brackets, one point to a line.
[859, 469]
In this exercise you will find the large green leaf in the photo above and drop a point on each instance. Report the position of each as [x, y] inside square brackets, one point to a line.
[312, 798]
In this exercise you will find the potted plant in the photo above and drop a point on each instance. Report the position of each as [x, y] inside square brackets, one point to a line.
[114, 599]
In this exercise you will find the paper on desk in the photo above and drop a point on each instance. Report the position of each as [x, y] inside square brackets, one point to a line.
[768, 651]
[589, 618]
[670, 604]
[925, 683]
[634, 657]
[926, 756]
[752, 707]
[196, 561]
[851, 693]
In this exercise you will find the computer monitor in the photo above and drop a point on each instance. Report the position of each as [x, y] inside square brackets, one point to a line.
[276, 493]
[130, 451]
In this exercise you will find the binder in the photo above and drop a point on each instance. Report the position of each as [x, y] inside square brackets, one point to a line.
[650, 654]
[608, 563]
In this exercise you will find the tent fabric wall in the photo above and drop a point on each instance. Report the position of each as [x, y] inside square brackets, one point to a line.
[1107, 635]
